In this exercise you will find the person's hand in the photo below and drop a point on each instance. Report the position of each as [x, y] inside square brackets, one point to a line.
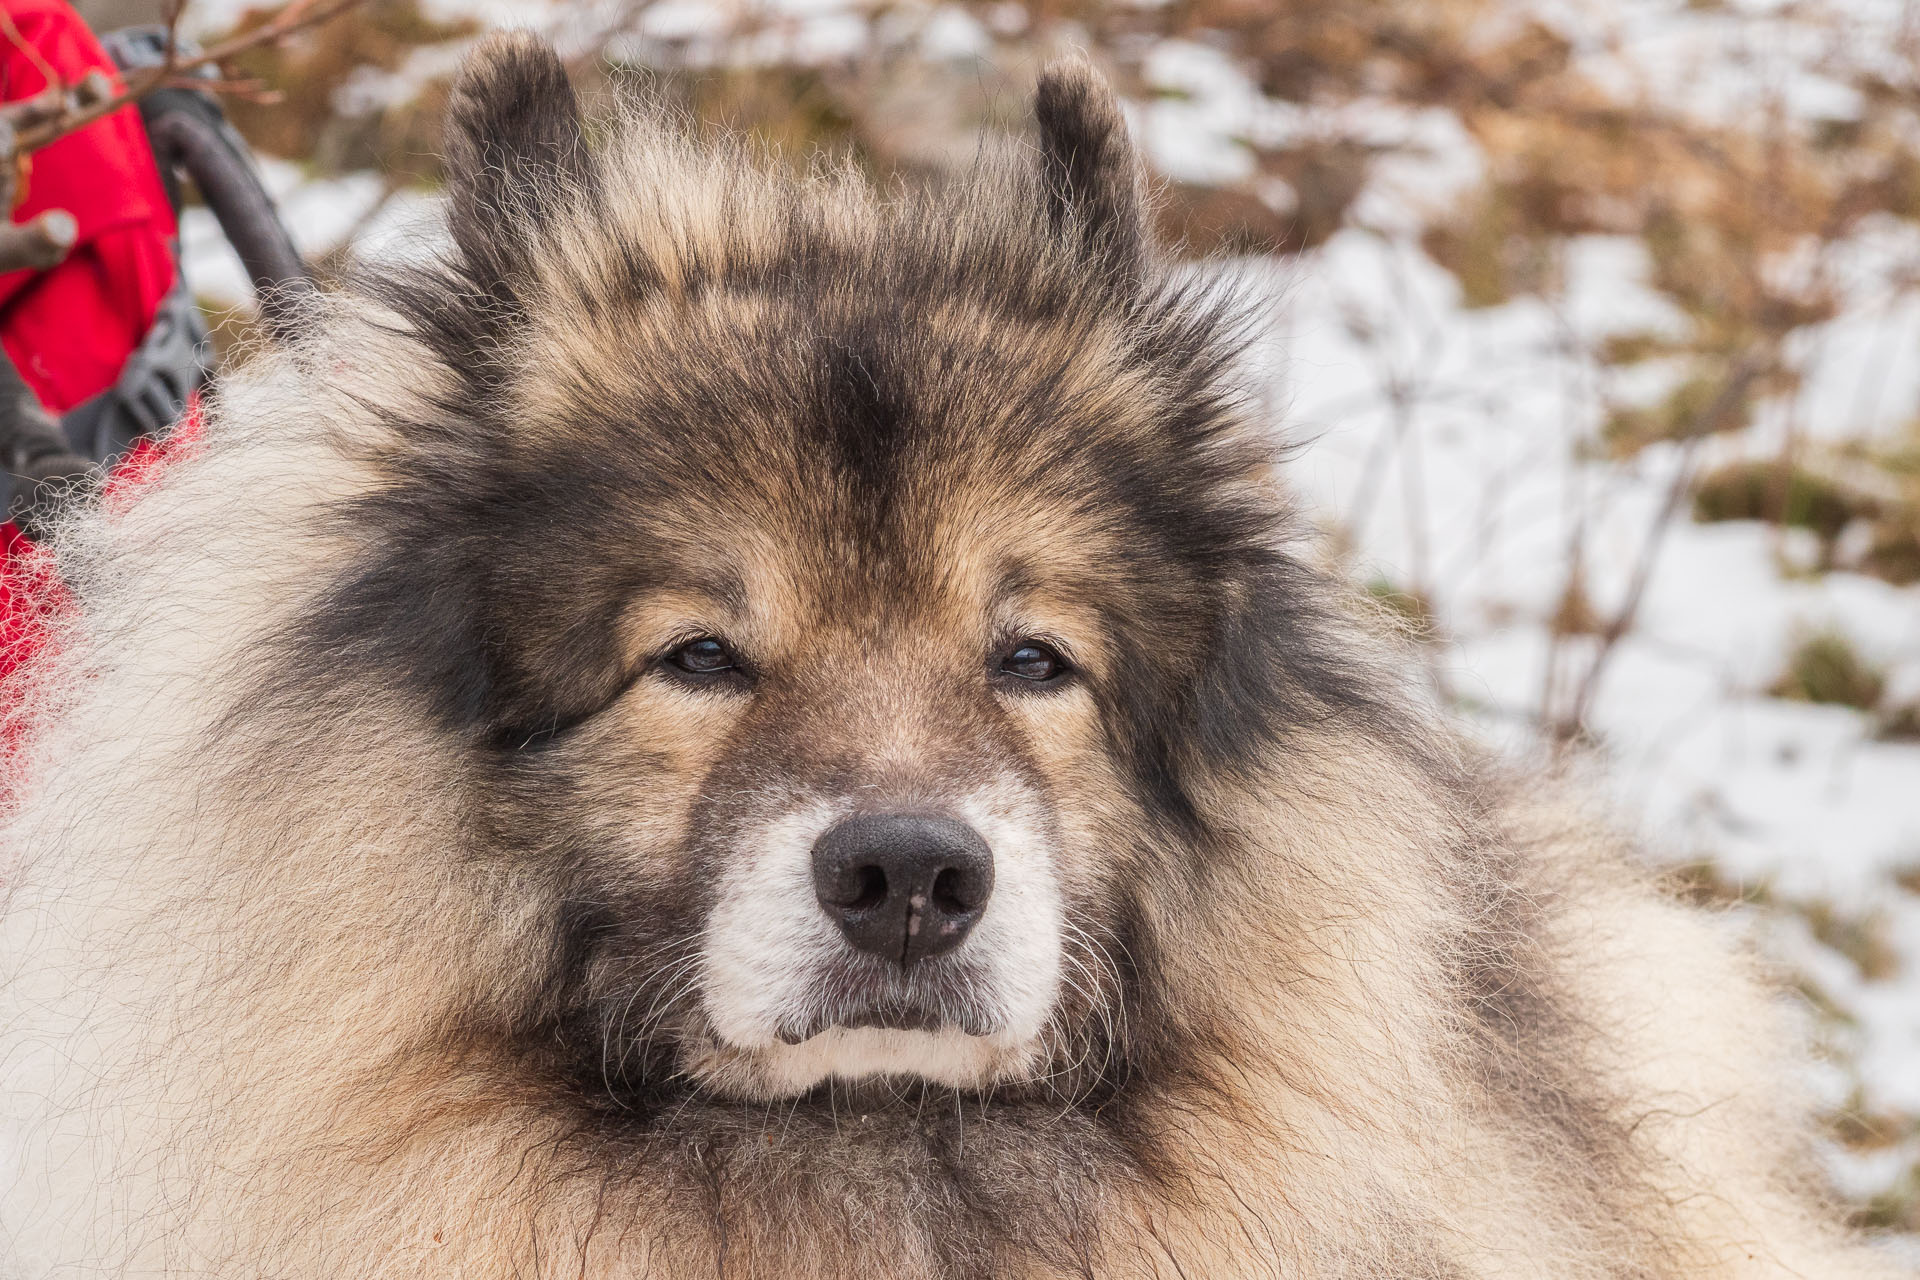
[39, 244]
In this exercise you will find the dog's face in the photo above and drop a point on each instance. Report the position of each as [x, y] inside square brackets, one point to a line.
[848, 607]
[845, 786]
[834, 702]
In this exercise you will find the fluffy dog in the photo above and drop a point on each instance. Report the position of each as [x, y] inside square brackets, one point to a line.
[733, 726]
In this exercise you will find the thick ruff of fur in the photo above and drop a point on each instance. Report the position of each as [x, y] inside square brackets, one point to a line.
[359, 848]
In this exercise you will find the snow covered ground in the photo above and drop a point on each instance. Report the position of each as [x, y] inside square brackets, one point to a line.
[1445, 444]
[1451, 450]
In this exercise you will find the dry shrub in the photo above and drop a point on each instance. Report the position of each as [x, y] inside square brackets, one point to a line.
[310, 72]
[1825, 667]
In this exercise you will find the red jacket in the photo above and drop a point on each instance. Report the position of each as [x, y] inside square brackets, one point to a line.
[70, 329]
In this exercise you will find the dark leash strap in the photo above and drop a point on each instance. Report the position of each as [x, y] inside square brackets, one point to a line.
[192, 140]
[192, 137]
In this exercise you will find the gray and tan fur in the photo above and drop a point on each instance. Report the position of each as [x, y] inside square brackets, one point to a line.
[387, 897]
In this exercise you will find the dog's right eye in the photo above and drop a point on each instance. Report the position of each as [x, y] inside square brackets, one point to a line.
[703, 657]
[1034, 662]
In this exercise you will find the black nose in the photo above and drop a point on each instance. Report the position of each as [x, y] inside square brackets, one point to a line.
[901, 886]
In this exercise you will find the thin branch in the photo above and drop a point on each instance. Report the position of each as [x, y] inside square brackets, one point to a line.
[296, 17]
[247, 89]
[1714, 419]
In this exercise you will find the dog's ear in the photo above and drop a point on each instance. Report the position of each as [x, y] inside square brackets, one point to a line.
[515, 150]
[1088, 168]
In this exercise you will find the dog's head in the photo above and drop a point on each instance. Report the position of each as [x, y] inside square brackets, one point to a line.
[852, 607]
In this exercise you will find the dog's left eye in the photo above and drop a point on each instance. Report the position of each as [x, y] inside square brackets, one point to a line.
[703, 657]
[1031, 660]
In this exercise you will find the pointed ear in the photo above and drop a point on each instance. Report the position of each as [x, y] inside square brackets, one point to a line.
[515, 150]
[1088, 168]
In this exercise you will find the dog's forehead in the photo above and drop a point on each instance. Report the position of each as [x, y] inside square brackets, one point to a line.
[748, 354]
[863, 436]
[981, 556]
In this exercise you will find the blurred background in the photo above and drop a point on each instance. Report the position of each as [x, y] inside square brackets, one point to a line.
[1594, 326]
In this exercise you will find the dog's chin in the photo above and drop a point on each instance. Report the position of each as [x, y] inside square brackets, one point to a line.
[945, 1055]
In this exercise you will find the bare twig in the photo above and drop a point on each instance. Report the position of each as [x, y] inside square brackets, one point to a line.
[249, 88]
[296, 17]
[1714, 419]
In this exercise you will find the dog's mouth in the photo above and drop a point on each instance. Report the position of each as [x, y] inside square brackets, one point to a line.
[889, 1016]
[857, 994]
[944, 1021]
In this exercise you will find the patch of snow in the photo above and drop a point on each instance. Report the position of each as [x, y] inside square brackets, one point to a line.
[1445, 445]
[1198, 133]
[953, 34]
[320, 215]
